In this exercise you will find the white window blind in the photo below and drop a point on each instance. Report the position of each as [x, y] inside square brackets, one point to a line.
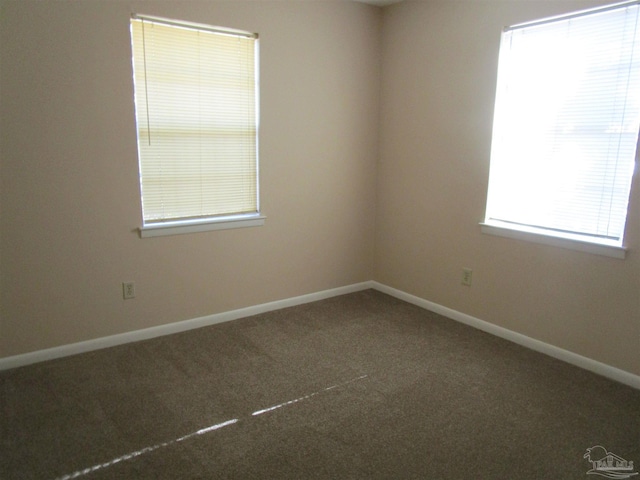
[196, 110]
[566, 125]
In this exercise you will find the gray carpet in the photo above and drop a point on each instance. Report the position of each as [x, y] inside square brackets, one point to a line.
[361, 386]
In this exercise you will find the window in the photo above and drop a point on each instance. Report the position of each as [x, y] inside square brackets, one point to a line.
[196, 93]
[566, 129]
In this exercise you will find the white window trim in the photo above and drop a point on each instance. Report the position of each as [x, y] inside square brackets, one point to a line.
[180, 227]
[177, 226]
[544, 237]
[610, 247]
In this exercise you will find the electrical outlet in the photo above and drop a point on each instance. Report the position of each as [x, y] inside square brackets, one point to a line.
[466, 276]
[128, 290]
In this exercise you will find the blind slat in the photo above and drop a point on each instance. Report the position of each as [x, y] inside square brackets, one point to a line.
[566, 124]
[196, 112]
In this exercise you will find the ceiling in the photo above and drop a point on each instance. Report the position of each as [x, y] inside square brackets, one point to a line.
[379, 3]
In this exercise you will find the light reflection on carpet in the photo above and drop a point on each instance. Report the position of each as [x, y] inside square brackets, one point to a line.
[202, 431]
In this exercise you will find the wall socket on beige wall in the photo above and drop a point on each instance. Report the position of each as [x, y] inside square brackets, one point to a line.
[128, 290]
[466, 276]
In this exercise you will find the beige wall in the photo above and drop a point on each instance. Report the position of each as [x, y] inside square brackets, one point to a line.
[439, 73]
[70, 201]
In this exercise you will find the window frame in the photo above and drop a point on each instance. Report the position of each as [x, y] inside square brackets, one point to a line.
[547, 236]
[209, 222]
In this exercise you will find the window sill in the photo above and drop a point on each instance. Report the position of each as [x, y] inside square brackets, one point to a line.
[531, 235]
[195, 226]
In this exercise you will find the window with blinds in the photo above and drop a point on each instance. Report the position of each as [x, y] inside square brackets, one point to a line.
[196, 91]
[566, 125]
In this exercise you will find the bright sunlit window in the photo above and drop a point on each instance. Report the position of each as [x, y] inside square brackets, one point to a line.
[196, 93]
[566, 126]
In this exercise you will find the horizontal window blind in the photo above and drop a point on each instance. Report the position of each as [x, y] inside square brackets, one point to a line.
[566, 125]
[196, 112]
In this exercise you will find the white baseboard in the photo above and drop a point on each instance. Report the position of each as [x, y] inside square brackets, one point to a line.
[605, 370]
[147, 333]
[586, 363]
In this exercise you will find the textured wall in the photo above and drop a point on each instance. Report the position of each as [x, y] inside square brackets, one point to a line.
[438, 85]
[70, 201]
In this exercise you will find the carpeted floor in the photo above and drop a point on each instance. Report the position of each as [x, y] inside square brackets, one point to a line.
[361, 386]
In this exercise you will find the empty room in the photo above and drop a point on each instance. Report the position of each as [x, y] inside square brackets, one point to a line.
[299, 239]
